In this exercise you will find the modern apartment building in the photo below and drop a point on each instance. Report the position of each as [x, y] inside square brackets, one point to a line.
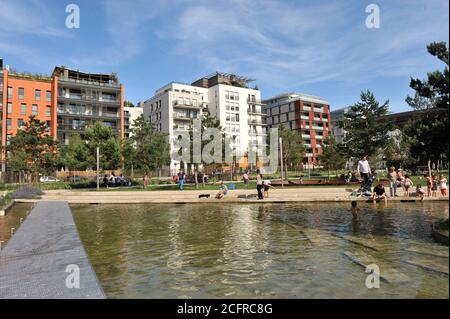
[238, 108]
[173, 107]
[131, 114]
[67, 101]
[22, 96]
[85, 98]
[336, 116]
[307, 114]
[224, 96]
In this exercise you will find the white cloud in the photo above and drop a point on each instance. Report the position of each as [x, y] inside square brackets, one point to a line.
[293, 44]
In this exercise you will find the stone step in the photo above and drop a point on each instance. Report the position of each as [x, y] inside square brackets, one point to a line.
[387, 272]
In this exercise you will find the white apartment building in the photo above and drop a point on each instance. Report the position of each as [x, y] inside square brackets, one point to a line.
[130, 115]
[224, 96]
[173, 107]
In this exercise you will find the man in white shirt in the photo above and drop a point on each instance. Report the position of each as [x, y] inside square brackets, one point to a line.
[364, 171]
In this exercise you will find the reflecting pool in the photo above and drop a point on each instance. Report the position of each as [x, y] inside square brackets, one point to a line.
[264, 250]
[12, 220]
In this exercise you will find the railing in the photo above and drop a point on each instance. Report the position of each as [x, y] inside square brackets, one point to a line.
[89, 82]
[88, 98]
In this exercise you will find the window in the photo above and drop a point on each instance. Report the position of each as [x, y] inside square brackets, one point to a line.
[9, 108]
[48, 123]
[37, 95]
[20, 123]
[48, 96]
[34, 109]
[48, 110]
[8, 124]
[8, 138]
[21, 93]
[23, 109]
[10, 92]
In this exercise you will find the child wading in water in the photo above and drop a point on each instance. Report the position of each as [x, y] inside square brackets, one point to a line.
[355, 209]
[420, 192]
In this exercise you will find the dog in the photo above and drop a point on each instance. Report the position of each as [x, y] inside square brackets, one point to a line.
[204, 196]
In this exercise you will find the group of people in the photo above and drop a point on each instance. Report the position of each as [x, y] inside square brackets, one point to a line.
[114, 181]
[397, 179]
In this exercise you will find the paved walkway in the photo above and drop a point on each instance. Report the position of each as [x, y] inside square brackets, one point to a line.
[34, 262]
[306, 194]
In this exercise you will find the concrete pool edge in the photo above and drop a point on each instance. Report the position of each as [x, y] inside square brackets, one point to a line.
[35, 262]
[331, 194]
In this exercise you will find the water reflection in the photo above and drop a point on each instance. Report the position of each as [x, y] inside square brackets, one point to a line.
[247, 251]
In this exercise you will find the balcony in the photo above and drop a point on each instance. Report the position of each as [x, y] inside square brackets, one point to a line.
[306, 108]
[303, 117]
[183, 117]
[319, 137]
[87, 98]
[88, 83]
[256, 122]
[314, 127]
[255, 101]
[190, 106]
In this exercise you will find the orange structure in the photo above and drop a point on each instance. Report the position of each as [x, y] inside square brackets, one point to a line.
[68, 101]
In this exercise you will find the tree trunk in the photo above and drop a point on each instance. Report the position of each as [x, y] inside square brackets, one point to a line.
[196, 175]
[429, 167]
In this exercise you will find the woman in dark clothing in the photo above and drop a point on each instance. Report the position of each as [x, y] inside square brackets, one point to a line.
[259, 184]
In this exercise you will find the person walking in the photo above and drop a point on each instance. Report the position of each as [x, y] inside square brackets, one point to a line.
[146, 180]
[245, 178]
[259, 184]
[364, 171]
[392, 177]
[181, 178]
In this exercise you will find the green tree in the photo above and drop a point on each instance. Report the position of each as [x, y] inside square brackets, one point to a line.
[427, 134]
[332, 157]
[365, 134]
[33, 150]
[128, 104]
[293, 148]
[101, 136]
[75, 156]
[206, 122]
[147, 148]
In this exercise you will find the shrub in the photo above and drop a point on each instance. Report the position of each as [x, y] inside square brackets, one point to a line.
[26, 192]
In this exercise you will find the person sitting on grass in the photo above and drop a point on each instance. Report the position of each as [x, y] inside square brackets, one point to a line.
[420, 192]
[223, 190]
[379, 193]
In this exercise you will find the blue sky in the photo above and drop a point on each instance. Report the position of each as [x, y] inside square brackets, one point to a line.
[316, 47]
